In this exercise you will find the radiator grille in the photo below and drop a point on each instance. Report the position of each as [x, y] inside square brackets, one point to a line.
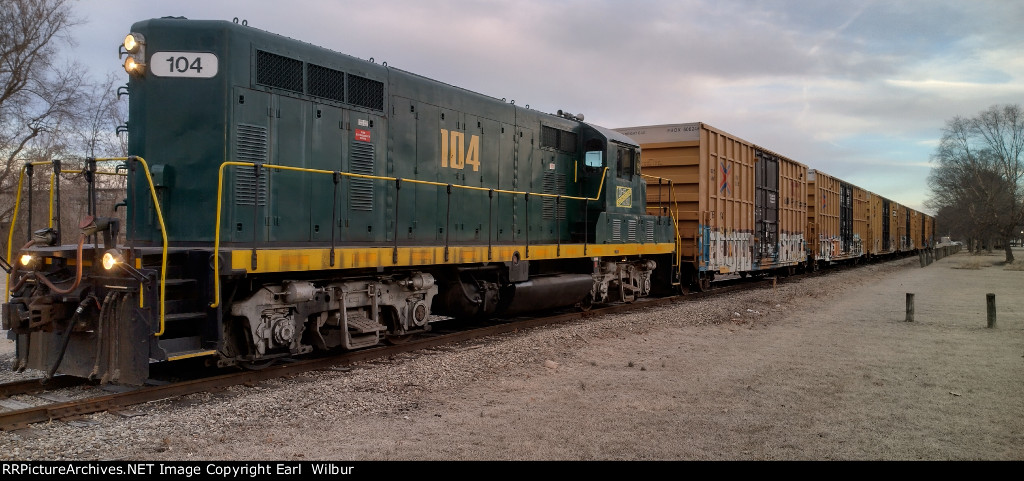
[278, 71]
[325, 82]
[559, 139]
[365, 92]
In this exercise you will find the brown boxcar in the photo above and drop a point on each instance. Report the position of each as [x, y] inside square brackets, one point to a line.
[915, 230]
[860, 221]
[738, 207]
[883, 230]
[836, 219]
[902, 222]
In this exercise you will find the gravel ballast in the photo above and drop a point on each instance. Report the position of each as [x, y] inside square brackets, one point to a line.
[821, 368]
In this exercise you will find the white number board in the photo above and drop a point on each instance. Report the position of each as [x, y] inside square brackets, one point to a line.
[183, 64]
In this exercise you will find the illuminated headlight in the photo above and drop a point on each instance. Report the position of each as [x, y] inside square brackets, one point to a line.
[133, 66]
[112, 258]
[135, 46]
[27, 259]
[133, 41]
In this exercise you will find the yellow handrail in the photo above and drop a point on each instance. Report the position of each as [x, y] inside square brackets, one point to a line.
[10, 234]
[220, 194]
[163, 231]
[156, 204]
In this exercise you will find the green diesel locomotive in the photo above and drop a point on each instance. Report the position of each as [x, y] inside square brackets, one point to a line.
[284, 198]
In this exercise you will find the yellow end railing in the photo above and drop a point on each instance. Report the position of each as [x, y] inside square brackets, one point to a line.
[673, 211]
[156, 206]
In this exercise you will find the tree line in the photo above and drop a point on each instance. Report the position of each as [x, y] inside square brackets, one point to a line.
[977, 183]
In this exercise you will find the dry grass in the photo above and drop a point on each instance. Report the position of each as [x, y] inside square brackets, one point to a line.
[1016, 265]
[973, 264]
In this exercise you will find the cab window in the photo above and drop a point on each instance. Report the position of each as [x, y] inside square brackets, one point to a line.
[594, 158]
[626, 162]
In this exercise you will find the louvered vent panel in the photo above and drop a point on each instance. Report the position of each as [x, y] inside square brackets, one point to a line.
[250, 146]
[360, 194]
[650, 231]
[631, 231]
[616, 231]
[553, 184]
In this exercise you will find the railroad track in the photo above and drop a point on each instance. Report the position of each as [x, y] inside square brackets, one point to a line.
[50, 405]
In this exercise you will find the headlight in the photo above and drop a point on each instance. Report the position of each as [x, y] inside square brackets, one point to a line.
[27, 259]
[133, 41]
[111, 258]
[135, 46]
[133, 66]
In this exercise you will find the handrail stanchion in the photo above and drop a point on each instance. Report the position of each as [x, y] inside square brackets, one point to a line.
[398, 190]
[28, 227]
[447, 222]
[336, 177]
[490, 215]
[255, 210]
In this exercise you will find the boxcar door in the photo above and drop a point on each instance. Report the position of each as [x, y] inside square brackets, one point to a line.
[766, 206]
[846, 217]
[886, 222]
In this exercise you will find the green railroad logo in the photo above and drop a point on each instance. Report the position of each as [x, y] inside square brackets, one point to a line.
[623, 197]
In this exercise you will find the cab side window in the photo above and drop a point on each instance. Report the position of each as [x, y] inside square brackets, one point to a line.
[626, 162]
[594, 157]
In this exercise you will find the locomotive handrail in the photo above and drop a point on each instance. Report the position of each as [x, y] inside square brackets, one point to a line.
[10, 234]
[53, 176]
[163, 230]
[220, 195]
[17, 205]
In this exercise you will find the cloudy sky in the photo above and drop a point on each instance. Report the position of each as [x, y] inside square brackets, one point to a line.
[858, 89]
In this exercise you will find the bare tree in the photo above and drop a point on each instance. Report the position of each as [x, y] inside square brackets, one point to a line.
[979, 176]
[36, 99]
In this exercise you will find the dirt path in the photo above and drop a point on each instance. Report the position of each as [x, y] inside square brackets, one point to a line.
[821, 369]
